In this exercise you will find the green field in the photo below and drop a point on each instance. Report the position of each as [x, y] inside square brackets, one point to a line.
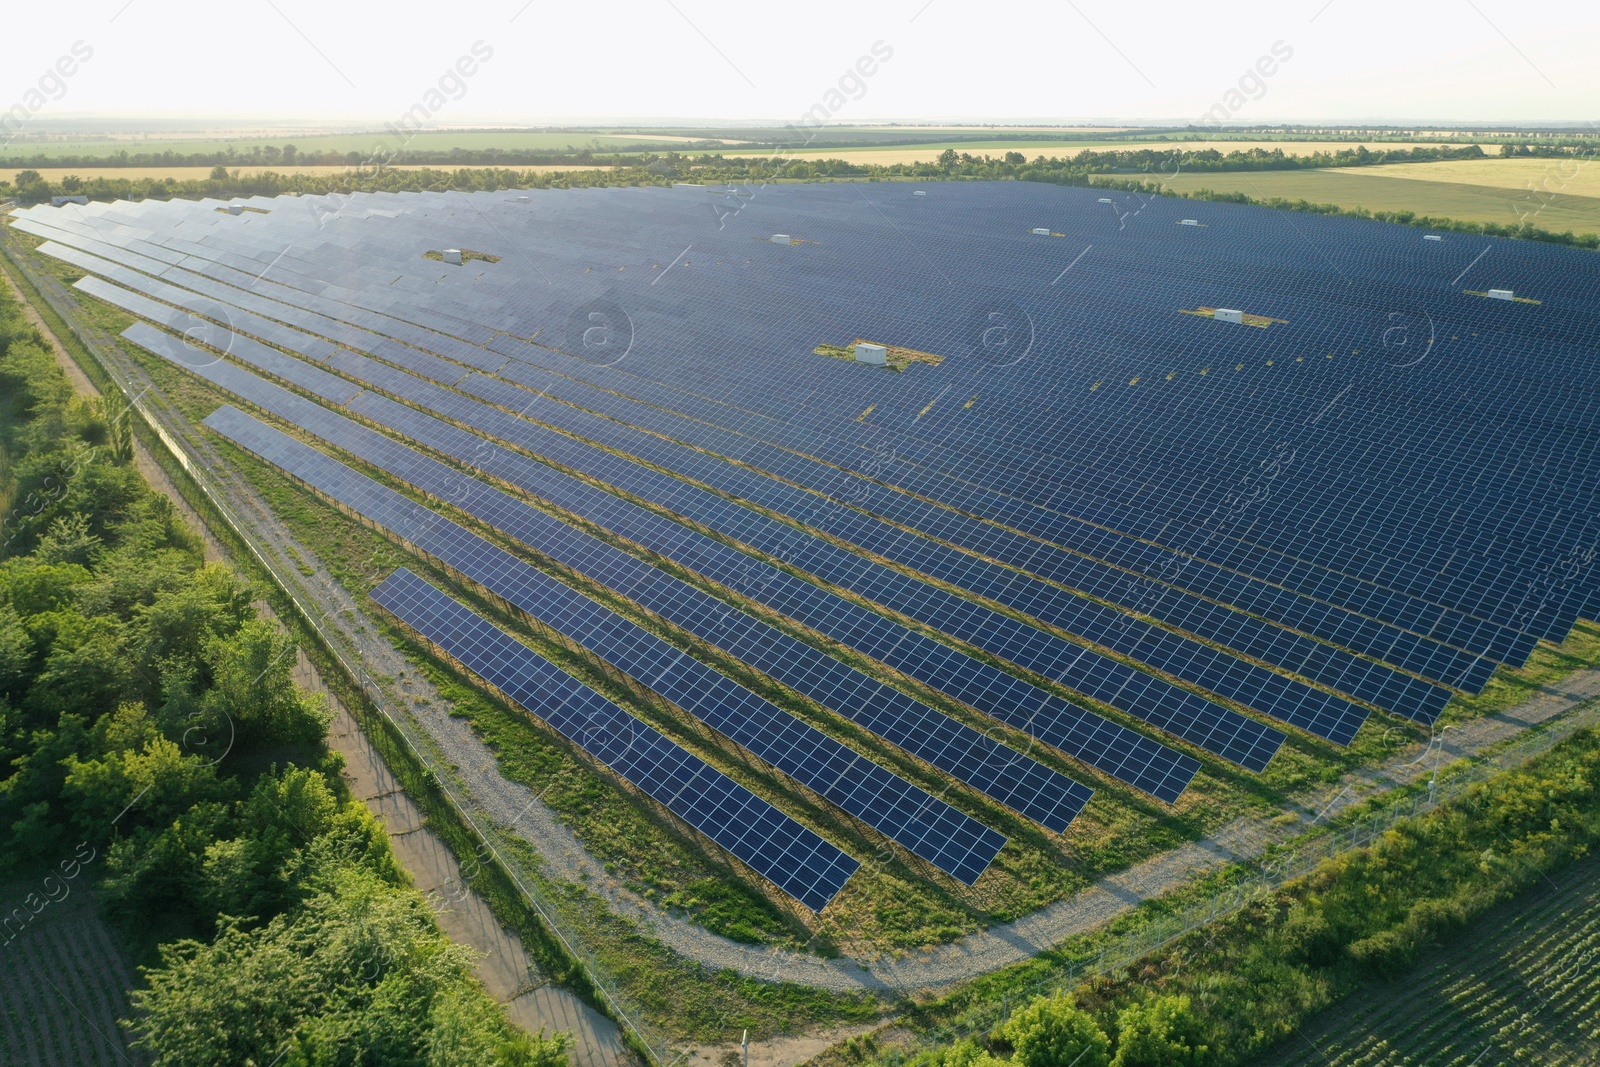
[1506, 204]
[1521, 985]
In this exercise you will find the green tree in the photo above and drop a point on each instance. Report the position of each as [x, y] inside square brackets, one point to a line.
[359, 975]
[1161, 1031]
[1055, 1032]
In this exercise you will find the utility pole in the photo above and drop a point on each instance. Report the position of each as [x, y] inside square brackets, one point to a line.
[744, 1043]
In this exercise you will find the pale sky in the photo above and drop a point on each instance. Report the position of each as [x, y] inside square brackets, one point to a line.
[1057, 60]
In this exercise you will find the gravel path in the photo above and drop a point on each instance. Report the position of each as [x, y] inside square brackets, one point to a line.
[516, 809]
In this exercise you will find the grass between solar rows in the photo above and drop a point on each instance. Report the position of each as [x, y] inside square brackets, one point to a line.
[467, 256]
[668, 865]
[898, 358]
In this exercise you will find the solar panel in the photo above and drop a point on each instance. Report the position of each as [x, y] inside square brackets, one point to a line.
[1312, 495]
[976, 759]
[1002, 773]
[1122, 581]
[1155, 701]
[1324, 664]
[774, 845]
[955, 843]
[1399, 690]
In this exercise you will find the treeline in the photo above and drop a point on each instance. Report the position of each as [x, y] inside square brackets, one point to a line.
[153, 743]
[763, 142]
[716, 167]
[646, 169]
[1568, 148]
[1230, 991]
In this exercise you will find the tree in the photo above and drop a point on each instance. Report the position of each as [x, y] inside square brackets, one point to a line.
[1161, 1031]
[219, 173]
[360, 974]
[1055, 1032]
[949, 158]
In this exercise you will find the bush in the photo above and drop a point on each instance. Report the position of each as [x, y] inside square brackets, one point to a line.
[1160, 1032]
[1055, 1032]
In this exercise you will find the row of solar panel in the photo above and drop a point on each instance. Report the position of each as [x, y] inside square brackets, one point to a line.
[1424, 712]
[955, 843]
[967, 754]
[796, 859]
[1216, 729]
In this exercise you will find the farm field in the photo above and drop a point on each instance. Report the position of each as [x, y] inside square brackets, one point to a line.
[1552, 176]
[1417, 191]
[1521, 985]
[63, 986]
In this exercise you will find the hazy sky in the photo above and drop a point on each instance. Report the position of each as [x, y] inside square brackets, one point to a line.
[1464, 60]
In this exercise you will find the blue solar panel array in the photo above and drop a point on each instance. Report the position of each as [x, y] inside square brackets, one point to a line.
[455, 347]
[794, 858]
[1184, 714]
[955, 843]
[1114, 749]
[1002, 773]
[1319, 713]
[1326, 664]
[1370, 503]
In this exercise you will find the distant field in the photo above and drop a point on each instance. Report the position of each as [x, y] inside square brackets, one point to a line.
[1550, 176]
[1047, 147]
[1418, 190]
[1521, 985]
[64, 983]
